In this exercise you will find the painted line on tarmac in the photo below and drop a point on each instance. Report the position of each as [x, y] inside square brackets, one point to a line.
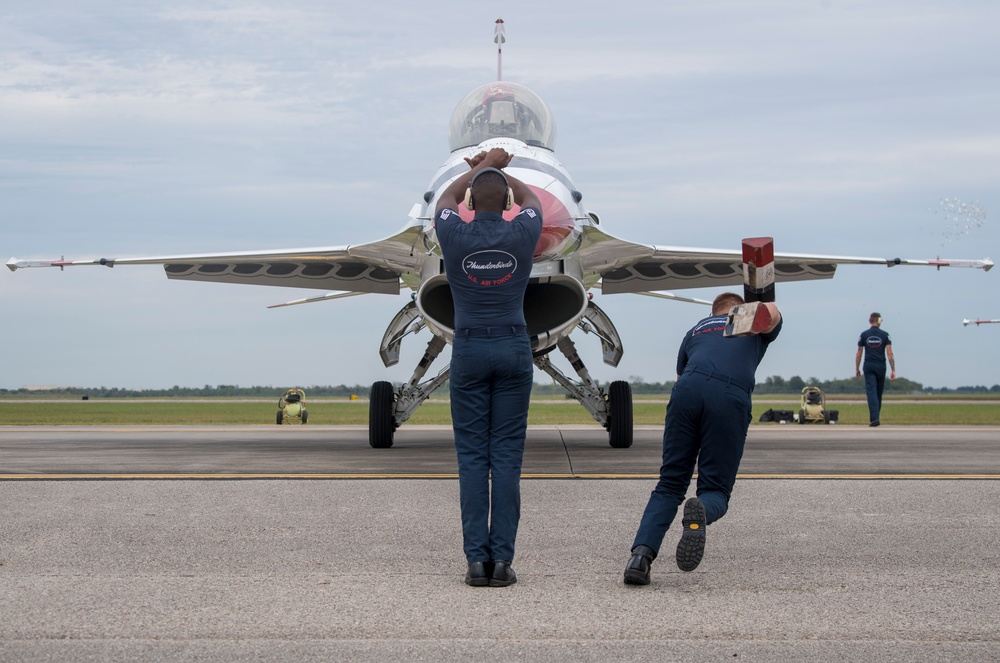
[398, 476]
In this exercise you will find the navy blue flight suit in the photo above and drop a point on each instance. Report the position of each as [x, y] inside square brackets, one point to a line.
[707, 420]
[874, 341]
[488, 264]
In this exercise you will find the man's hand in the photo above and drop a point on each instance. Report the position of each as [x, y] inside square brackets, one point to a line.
[893, 375]
[751, 318]
[857, 373]
[452, 196]
[476, 160]
[497, 158]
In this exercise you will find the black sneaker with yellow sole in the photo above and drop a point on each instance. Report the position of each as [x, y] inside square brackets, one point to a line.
[691, 547]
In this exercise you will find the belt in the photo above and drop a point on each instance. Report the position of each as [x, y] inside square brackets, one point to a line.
[721, 376]
[507, 330]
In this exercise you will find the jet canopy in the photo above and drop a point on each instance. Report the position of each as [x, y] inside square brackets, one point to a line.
[501, 110]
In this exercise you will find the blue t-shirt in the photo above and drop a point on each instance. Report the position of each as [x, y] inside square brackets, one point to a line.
[874, 341]
[705, 349]
[488, 263]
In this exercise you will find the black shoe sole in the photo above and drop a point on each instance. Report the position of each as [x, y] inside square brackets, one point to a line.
[502, 583]
[477, 582]
[691, 547]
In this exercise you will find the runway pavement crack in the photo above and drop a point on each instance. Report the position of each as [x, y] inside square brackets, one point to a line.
[569, 458]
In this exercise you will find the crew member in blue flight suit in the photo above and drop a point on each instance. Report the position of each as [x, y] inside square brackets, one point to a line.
[707, 420]
[877, 347]
[488, 262]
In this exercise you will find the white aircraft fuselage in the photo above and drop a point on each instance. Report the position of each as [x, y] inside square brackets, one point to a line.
[573, 255]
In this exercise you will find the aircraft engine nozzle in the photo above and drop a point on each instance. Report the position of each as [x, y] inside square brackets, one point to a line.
[553, 306]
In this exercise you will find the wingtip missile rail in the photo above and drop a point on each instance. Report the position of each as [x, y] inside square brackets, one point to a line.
[985, 264]
[14, 264]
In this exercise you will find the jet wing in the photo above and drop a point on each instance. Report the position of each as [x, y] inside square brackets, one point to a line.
[629, 267]
[374, 268]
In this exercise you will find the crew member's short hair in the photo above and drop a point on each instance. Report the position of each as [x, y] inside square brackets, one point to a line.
[726, 301]
[874, 317]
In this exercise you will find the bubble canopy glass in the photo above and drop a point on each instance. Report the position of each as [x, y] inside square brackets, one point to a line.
[501, 110]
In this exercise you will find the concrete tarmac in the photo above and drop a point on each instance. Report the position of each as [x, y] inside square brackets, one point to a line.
[822, 569]
[428, 451]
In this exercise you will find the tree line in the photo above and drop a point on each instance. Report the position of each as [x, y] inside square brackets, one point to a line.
[774, 384]
[795, 384]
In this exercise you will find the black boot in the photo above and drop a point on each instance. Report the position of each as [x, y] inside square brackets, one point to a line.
[691, 547]
[502, 574]
[637, 569]
[478, 574]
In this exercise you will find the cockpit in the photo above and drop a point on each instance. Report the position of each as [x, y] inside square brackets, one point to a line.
[501, 110]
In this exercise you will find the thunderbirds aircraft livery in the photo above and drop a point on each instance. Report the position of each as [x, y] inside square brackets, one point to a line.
[574, 256]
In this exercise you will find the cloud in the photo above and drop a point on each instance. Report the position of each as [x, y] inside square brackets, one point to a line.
[150, 128]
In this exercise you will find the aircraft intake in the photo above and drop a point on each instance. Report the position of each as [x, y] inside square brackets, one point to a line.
[553, 306]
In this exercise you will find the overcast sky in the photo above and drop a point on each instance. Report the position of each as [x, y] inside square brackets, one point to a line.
[841, 127]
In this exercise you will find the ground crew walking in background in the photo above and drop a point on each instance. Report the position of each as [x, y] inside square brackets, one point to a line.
[877, 347]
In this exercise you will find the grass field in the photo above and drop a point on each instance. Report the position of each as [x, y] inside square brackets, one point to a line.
[138, 412]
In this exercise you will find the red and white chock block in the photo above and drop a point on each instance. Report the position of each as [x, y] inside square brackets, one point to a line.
[758, 269]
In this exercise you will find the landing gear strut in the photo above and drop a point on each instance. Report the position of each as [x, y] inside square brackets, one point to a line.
[388, 408]
[612, 410]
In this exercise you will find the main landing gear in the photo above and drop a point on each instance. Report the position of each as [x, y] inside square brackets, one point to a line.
[612, 409]
[389, 407]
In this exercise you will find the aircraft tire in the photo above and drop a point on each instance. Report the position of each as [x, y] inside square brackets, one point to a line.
[620, 414]
[802, 416]
[279, 417]
[381, 407]
[305, 416]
